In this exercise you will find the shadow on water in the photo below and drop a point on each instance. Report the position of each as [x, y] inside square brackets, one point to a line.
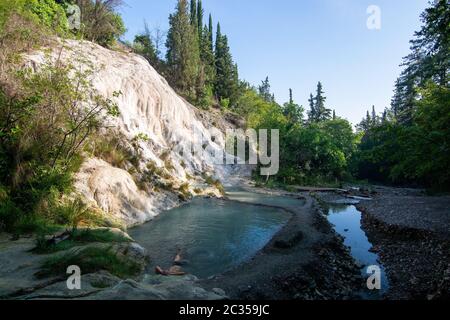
[214, 235]
[346, 220]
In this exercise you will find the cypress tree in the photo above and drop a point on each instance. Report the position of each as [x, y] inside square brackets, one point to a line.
[183, 57]
[207, 57]
[227, 78]
[200, 13]
[211, 32]
[193, 12]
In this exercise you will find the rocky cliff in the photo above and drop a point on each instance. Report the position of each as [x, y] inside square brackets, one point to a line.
[148, 108]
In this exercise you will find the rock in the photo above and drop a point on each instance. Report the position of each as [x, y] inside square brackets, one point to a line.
[170, 288]
[147, 105]
[219, 292]
[289, 242]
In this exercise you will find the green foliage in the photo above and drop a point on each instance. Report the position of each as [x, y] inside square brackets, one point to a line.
[50, 14]
[227, 78]
[183, 56]
[414, 154]
[410, 143]
[79, 238]
[429, 60]
[264, 91]
[144, 45]
[318, 111]
[90, 260]
[100, 22]
[292, 111]
[317, 153]
[46, 13]
[42, 132]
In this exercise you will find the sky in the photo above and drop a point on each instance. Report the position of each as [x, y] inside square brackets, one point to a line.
[297, 43]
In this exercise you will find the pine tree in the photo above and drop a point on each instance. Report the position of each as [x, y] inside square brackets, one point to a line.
[144, 46]
[264, 90]
[292, 111]
[334, 114]
[312, 114]
[323, 113]
[429, 60]
[183, 57]
[374, 117]
[366, 123]
[384, 117]
[318, 112]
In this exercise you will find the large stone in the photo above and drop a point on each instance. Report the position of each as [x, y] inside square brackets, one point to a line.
[147, 105]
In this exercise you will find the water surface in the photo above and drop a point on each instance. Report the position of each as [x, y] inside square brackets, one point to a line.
[214, 235]
[346, 220]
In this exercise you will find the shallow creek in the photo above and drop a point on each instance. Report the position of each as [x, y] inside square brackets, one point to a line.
[346, 220]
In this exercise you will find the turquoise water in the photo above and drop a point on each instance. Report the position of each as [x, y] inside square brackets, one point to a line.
[347, 222]
[214, 235]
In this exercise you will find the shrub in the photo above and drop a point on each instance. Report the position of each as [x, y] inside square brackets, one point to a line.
[90, 260]
[77, 238]
[100, 22]
[49, 14]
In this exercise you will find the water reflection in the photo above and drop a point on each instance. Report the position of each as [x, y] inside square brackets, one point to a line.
[215, 235]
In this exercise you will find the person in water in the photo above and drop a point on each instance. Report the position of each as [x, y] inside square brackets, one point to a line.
[176, 269]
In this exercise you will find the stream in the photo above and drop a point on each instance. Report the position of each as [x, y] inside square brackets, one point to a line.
[346, 220]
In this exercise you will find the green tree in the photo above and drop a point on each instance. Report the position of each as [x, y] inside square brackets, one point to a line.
[143, 45]
[183, 56]
[226, 82]
[292, 111]
[211, 32]
[264, 90]
[200, 14]
[318, 111]
[100, 21]
[429, 60]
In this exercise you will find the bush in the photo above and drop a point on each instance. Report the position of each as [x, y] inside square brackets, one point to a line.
[45, 13]
[100, 22]
[90, 260]
[42, 132]
[77, 238]
[49, 14]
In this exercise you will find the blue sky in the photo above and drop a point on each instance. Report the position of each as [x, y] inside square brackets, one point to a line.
[299, 42]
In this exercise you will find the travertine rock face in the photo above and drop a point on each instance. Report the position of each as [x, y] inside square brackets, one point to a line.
[148, 106]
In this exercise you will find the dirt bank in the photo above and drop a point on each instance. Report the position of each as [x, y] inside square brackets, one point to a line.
[411, 233]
